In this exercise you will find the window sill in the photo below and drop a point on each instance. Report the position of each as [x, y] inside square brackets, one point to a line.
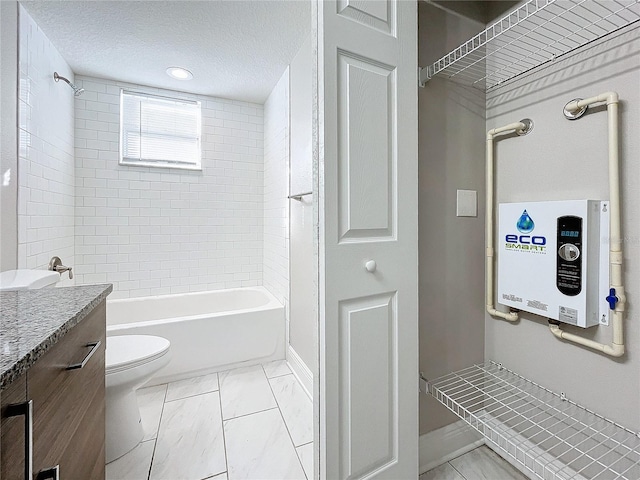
[172, 166]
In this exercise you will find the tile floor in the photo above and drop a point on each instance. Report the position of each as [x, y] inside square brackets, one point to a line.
[249, 423]
[481, 463]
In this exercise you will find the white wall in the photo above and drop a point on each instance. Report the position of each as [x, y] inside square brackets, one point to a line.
[45, 149]
[276, 190]
[303, 322]
[154, 231]
[8, 136]
[563, 160]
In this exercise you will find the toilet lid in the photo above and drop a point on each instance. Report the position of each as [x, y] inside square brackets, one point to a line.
[128, 351]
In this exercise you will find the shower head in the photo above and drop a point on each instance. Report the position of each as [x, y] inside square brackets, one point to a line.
[76, 91]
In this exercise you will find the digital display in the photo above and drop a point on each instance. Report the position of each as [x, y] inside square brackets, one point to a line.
[569, 233]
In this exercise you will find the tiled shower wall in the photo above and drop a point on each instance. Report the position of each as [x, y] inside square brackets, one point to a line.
[154, 231]
[276, 188]
[45, 152]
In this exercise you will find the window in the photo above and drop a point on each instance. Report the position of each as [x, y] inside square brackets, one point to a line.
[159, 131]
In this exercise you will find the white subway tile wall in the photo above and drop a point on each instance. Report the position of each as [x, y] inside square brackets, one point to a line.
[276, 190]
[45, 152]
[154, 231]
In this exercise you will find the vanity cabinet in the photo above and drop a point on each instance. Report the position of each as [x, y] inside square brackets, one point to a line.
[13, 429]
[66, 388]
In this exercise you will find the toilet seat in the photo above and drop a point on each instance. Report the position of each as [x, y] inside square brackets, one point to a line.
[129, 351]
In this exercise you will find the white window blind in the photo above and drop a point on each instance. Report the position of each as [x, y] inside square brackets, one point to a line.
[159, 131]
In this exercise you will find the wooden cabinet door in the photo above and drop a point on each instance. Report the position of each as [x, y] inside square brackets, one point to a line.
[12, 447]
[68, 405]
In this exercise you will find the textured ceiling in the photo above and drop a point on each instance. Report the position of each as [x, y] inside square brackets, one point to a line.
[235, 49]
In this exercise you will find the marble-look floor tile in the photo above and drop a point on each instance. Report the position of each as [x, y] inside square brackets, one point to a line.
[259, 447]
[191, 387]
[296, 408]
[276, 369]
[484, 464]
[443, 472]
[222, 476]
[190, 443]
[244, 391]
[151, 401]
[134, 465]
[305, 454]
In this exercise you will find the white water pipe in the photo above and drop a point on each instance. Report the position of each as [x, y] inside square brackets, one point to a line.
[616, 349]
[520, 128]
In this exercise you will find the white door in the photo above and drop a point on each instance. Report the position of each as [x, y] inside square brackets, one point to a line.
[368, 231]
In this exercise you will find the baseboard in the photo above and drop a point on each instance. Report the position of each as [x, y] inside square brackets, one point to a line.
[446, 443]
[300, 370]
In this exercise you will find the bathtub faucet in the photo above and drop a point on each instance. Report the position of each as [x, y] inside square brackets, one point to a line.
[55, 265]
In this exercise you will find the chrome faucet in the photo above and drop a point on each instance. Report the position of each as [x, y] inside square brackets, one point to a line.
[55, 265]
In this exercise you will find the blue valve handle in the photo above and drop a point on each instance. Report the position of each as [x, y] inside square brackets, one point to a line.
[612, 299]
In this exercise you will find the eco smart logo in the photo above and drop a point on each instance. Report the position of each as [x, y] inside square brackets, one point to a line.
[526, 242]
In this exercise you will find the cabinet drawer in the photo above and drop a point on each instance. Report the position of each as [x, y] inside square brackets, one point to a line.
[62, 398]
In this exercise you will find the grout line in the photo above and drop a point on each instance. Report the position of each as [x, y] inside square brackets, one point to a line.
[153, 454]
[190, 396]
[283, 375]
[279, 375]
[459, 473]
[247, 414]
[287, 427]
[224, 438]
[300, 461]
[297, 382]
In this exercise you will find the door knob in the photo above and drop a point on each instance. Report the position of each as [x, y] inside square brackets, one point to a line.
[371, 266]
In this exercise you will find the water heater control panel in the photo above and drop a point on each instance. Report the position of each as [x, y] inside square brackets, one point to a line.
[553, 259]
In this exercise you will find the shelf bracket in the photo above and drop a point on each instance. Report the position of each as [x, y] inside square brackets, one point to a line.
[423, 76]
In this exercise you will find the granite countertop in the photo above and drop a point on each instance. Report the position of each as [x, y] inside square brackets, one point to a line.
[31, 321]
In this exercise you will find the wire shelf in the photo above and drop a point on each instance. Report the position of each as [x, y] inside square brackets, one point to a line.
[551, 437]
[537, 32]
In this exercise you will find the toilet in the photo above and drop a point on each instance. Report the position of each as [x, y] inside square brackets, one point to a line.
[131, 360]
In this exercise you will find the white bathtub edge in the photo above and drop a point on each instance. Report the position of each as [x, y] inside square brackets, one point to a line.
[125, 326]
[300, 370]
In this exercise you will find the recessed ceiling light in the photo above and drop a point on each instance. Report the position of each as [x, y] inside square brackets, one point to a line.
[179, 73]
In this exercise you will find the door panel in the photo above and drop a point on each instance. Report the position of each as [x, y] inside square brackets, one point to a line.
[367, 210]
[366, 130]
[368, 344]
[378, 14]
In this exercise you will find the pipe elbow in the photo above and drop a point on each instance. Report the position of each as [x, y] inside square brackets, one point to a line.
[556, 330]
[511, 316]
[614, 350]
[609, 97]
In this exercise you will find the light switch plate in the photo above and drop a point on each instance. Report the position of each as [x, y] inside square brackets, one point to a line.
[467, 203]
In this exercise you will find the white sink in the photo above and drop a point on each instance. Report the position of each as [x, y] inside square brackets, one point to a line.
[27, 279]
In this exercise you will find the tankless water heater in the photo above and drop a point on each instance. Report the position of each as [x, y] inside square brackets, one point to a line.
[553, 259]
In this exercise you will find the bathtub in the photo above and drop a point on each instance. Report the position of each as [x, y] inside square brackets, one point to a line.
[209, 331]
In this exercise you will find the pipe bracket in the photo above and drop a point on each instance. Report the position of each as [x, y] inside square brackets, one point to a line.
[528, 126]
[574, 113]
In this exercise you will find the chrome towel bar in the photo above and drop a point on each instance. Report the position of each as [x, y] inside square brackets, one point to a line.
[299, 196]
